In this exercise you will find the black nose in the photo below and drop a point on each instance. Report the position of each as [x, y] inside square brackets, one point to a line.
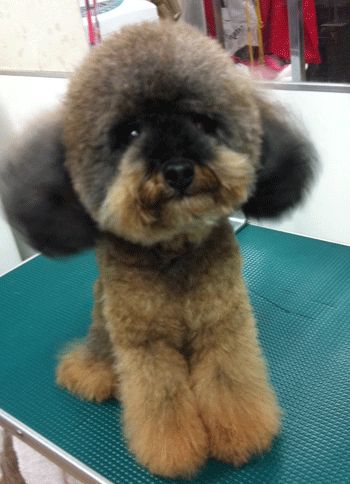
[178, 174]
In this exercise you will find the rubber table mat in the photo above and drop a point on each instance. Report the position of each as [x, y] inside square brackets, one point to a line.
[300, 291]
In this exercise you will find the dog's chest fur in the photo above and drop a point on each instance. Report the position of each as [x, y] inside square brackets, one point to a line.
[152, 293]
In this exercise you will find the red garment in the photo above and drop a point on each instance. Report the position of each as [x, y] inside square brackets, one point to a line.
[274, 15]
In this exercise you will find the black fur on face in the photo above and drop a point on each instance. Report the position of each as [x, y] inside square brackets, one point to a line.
[167, 135]
[159, 137]
[170, 177]
[160, 130]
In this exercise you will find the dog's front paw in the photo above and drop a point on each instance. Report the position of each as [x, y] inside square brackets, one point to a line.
[238, 432]
[175, 447]
[85, 376]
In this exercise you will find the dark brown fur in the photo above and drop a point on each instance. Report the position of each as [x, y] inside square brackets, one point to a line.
[173, 335]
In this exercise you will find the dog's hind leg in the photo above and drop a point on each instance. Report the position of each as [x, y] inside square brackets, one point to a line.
[86, 368]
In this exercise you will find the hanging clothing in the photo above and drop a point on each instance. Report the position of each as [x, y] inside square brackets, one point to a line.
[274, 15]
[240, 25]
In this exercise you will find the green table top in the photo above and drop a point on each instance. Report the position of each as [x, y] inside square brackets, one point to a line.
[300, 291]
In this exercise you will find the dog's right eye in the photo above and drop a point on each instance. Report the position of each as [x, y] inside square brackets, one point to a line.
[122, 134]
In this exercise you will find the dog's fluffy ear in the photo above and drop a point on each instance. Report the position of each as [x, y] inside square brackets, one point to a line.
[287, 165]
[38, 195]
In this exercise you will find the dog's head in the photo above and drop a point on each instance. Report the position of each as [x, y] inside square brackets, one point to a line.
[163, 137]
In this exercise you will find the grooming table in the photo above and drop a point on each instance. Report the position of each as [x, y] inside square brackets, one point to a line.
[300, 291]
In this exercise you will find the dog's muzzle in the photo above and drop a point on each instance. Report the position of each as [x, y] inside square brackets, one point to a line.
[178, 173]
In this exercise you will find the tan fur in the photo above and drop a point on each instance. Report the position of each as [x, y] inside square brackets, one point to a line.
[173, 334]
[161, 417]
[229, 379]
[86, 368]
[84, 376]
[191, 376]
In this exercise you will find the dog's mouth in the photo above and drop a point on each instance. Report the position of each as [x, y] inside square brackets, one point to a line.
[155, 191]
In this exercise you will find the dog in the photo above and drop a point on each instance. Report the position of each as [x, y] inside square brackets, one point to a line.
[159, 139]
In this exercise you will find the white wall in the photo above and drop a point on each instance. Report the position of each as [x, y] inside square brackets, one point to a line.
[9, 253]
[22, 97]
[326, 213]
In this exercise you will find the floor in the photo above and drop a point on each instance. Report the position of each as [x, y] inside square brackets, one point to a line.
[30, 468]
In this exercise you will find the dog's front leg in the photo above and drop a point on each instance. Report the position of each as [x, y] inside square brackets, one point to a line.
[161, 419]
[236, 402]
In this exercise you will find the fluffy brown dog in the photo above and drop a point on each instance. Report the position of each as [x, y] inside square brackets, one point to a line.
[159, 140]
